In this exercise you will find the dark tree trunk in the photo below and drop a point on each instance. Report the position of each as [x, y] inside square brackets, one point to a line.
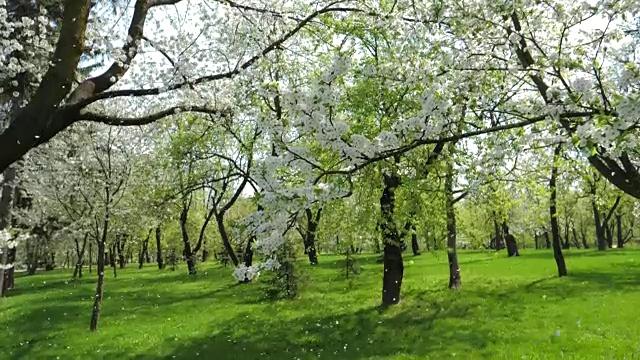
[536, 240]
[619, 236]
[455, 280]
[159, 258]
[566, 244]
[112, 256]
[205, 255]
[225, 240]
[547, 240]
[392, 254]
[609, 233]
[583, 236]
[77, 272]
[415, 247]
[498, 240]
[191, 261]
[310, 235]
[555, 231]
[9, 279]
[97, 302]
[144, 253]
[120, 245]
[600, 235]
[510, 240]
[90, 256]
[576, 242]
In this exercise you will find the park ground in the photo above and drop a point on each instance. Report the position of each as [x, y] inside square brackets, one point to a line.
[508, 308]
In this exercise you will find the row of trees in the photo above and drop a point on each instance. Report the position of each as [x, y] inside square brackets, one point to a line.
[431, 116]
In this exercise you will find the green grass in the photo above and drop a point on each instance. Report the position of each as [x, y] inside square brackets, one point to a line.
[507, 309]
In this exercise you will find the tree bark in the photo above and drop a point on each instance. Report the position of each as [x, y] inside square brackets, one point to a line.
[510, 240]
[415, 246]
[120, 245]
[583, 236]
[392, 254]
[191, 261]
[555, 231]
[455, 280]
[619, 236]
[97, 302]
[159, 247]
[310, 235]
[576, 242]
[77, 272]
[225, 240]
[144, 253]
[6, 203]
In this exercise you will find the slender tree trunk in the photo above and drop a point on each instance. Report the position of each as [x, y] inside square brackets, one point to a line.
[120, 245]
[159, 247]
[77, 272]
[619, 231]
[97, 302]
[555, 231]
[547, 240]
[608, 235]
[583, 236]
[576, 242]
[144, 253]
[566, 245]
[536, 240]
[455, 280]
[191, 261]
[225, 240]
[392, 254]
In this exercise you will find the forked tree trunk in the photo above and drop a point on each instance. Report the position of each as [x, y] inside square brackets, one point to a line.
[77, 272]
[392, 254]
[555, 231]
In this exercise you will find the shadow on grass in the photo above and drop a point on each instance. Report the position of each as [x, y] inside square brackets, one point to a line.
[358, 335]
[579, 253]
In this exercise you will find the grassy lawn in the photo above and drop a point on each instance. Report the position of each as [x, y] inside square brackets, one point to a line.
[507, 309]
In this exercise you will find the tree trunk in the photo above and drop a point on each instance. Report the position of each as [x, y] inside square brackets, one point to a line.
[392, 254]
[159, 247]
[455, 280]
[555, 231]
[609, 235]
[575, 237]
[77, 272]
[566, 244]
[536, 240]
[510, 241]
[499, 240]
[144, 253]
[120, 245]
[225, 239]
[310, 235]
[97, 302]
[90, 256]
[546, 239]
[191, 261]
[415, 246]
[619, 236]
[6, 203]
[583, 236]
